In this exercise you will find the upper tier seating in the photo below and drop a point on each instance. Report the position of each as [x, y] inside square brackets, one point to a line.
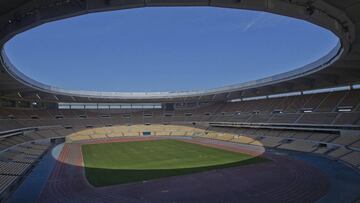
[322, 110]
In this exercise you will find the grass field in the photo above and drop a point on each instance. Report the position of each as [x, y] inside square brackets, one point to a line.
[124, 162]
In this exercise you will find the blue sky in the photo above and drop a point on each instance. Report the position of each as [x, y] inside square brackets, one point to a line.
[166, 49]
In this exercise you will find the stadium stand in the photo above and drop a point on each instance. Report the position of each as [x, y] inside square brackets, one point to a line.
[300, 145]
[280, 123]
[339, 152]
[325, 123]
[246, 112]
[16, 162]
[353, 158]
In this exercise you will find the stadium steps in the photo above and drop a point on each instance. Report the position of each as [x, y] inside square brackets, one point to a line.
[352, 158]
[299, 145]
[339, 152]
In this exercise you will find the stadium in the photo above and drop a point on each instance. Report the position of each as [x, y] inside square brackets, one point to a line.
[290, 137]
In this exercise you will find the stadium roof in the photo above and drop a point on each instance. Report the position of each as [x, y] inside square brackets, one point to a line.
[339, 67]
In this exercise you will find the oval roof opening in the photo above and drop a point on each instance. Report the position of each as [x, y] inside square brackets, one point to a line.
[166, 49]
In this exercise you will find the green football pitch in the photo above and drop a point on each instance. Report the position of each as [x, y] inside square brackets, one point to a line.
[124, 162]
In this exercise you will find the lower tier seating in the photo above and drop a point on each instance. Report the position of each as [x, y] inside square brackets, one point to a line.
[6, 181]
[299, 145]
[19, 154]
[16, 162]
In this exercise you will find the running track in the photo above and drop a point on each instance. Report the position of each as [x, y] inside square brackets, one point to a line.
[281, 180]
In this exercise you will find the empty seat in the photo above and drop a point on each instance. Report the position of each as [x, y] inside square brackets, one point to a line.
[346, 139]
[299, 145]
[347, 118]
[352, 158]
[339, 152]
[242, 139]
[269, 141]
[6, 181]
[12, 168]
[317, 118]
[330, 102]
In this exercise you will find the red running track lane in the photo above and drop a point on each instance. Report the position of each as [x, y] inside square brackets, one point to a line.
[281, 180]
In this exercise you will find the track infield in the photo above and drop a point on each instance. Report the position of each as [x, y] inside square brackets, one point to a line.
[125, 162]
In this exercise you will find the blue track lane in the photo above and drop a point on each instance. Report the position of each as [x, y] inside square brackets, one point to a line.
[31, 188]
[344, 181]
